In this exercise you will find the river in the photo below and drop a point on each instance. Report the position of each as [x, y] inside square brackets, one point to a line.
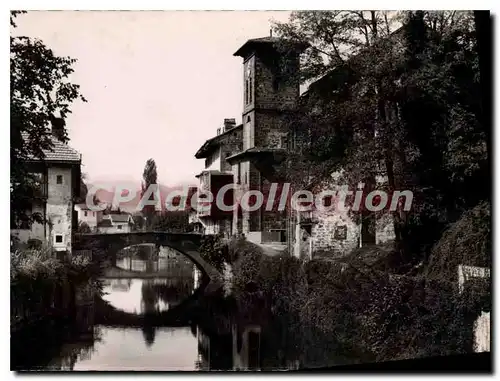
[213, 339]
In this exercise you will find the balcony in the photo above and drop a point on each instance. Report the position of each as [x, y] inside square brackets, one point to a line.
[213, 181]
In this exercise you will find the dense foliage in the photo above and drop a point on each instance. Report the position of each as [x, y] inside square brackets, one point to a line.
[398, 96]
[214, 250]
[170, 221]
[37, 280]
[367, 314]
[467, 241]
[39, 88]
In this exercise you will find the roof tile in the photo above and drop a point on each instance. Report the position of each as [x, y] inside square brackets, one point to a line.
[59, 152]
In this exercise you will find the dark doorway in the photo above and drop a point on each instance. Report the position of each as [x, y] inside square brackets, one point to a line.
[368, 229]
[253, 350]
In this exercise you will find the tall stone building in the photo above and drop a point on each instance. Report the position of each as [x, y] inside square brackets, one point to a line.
[269, 96]
[270, 99]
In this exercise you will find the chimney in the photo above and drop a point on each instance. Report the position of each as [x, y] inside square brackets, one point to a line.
[229, 123]
[58, 125]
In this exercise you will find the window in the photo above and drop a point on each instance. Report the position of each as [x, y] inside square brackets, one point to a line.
[58, 238]
[59, 179]
[341, 232]
[85, 213]
[327, 201]
[246, 92]
[283, 141]
[119, 227]
[250, 90]
[238, 174]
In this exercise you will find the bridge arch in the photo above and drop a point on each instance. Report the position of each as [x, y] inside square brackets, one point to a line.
[106, 246]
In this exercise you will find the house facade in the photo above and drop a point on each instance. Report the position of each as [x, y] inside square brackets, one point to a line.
[335, 231]
[218, 172]
[115, 223]
[89, 217]
[253, 163]
[58, 186]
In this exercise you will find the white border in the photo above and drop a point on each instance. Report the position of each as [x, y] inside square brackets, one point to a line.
[194, 5]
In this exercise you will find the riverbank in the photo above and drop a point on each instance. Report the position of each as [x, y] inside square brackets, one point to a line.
[48, 295]
[370, 313]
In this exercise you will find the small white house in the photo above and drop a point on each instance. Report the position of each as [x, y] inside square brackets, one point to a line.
[115, 223]
[87, 216]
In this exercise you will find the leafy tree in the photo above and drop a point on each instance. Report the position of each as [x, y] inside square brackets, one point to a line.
[150, 176]
[398, 97]
[39, 88]
[84, 228]
[138, 222]
[84, 191]
[171, 221]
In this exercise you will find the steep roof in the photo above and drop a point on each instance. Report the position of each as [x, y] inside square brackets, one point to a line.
[255, 43]
[60, 152]
[214, 142]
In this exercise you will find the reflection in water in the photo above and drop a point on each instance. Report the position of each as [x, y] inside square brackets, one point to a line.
[142, 296]
[125, 349]
[164, 259]
[222, 335]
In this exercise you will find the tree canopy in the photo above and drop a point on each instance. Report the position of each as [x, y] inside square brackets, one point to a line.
[394, 95]
[40, 87]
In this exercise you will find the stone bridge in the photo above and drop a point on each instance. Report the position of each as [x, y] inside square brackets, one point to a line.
[106, 246]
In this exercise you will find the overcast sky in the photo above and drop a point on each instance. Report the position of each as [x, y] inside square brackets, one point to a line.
[158, 84]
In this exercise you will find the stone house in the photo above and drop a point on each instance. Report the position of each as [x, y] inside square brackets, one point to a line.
[270, 100]
[217, 173]
[58, 186]
[334, 231]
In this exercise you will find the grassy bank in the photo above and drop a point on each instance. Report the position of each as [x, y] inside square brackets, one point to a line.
[41, 285]
[364, 309]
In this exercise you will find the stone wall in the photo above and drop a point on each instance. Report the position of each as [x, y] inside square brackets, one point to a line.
[270, 129]
[482, 329]
[384, 228]
[334, 232]
[231, 145]
[271, 89]
[60, 208]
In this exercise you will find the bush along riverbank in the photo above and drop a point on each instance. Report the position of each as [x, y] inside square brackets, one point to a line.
[358, 307]
[47, 296]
